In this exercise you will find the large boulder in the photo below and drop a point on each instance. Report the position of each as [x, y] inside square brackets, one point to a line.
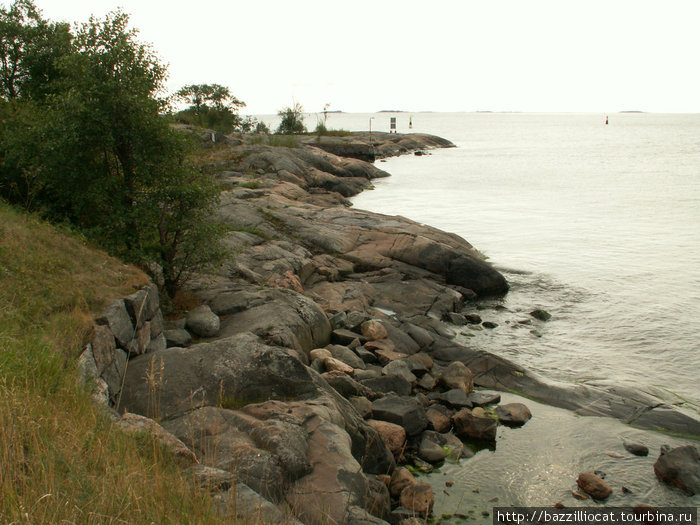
[514, 414]
[679, 467]
[203, 322]
[457, 375]
[594, 485]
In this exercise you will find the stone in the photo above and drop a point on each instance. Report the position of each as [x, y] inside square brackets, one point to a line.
[455, 398]
[679, 467]
[178, 337]
[141, 340]
[378, 501]
[387, 384]
[117, 319]
[454, 318]
[211, 478]
[374, 330]
[358, 516]
[143, 305]
[203, 322]
[473, 318]
[457, 375]
[157, 324]
[636, 449]
[419, 335]
[362, 405]
[541, 315]
[489, 324]
[419, 498]
[384, 355]
[593, 485]
[400, 479]
[427, 382]
[515, 414]
[367, 356]
[411, 521]
[347, 356]
[136, 423]
[319, 353]
[400, 368]
[342, 336]
[331, 363]
[243, 503]
[393, 435]
[404, 411]
[437, 420]
[345, 385]
[157, 343]
[430, 451]
[469, 426]
[482, 399]
[422, 360]
[87, 367]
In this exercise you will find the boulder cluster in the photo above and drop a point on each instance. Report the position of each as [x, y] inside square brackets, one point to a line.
[322, 360]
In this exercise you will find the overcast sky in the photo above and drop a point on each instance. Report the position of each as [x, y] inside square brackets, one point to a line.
[445, 55]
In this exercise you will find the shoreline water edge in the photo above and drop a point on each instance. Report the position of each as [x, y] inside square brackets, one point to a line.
[322, 362]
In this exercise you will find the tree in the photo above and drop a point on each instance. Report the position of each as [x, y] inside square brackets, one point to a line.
[211, 106]
[29, 50]
[99, 154]
[292, 120]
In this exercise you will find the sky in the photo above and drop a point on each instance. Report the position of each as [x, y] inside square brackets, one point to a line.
[445, 55]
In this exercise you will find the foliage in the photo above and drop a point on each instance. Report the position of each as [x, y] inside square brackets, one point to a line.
[29, 50]
[211, 106]
[98, 154]
[292, 120]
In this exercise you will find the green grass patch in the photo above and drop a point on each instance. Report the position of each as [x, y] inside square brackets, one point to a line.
[61, 459]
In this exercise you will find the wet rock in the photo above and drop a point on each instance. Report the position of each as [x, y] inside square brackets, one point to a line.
[469, 426]
[430, 451]
[514, 414]
[593, 485]
[541, 315]
[636, 449]
[419, 498]
[400, 479]
[457, 375]
[393, 435]
[404, 411]
[374, 330]
[473, 318]
[454, 318]
[489, 324]
[679, 467]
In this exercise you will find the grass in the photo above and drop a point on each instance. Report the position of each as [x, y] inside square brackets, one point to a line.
[61, 460]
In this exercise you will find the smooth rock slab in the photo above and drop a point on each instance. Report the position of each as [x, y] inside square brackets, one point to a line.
[404, 411]
[481, 399]
[455, 398]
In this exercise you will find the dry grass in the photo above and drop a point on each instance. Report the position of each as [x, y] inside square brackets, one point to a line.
[60, 459]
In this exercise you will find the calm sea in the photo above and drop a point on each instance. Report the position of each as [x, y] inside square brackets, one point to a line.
[599, 225]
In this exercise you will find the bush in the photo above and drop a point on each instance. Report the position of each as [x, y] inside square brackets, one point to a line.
[292, 120]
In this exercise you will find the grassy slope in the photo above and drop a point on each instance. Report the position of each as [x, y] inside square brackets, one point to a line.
[60, 459]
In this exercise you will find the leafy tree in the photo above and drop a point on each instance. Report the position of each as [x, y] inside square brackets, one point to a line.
[29, 49]
[210, 106]
[292, 120]
[99, 154]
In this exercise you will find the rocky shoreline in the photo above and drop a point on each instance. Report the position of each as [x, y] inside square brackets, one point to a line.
[324, 352]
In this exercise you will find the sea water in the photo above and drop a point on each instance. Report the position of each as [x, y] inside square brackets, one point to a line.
[600, 226]
[597, 224]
